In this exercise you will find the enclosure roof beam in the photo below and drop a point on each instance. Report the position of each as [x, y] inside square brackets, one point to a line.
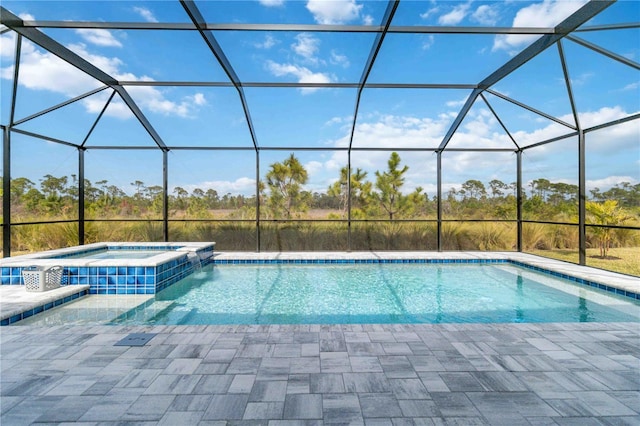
[418, 29]
[60, 105]
[198, 20]
[45, 138]
[561, 30]
[613, 123]
[392, 5]
[308, 149]
[300, 85]
[548, 141]
[499, 121]
[124, 148]
[604, 52]
[133, 106]
[579, 17]
[47, 43]
[623, 26]
[458, 120]
[97, 120]
[530, 108]
[567, 82]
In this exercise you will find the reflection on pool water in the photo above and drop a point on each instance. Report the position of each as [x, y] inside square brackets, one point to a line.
[361, 293]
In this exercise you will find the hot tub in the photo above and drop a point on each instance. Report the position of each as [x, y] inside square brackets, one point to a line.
[116, 268]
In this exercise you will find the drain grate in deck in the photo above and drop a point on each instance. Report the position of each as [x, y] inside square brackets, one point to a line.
[135, 339]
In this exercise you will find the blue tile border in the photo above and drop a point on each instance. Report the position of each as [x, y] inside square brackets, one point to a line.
[121, 279]
[41, 308]
[610, 289]
[345, 261]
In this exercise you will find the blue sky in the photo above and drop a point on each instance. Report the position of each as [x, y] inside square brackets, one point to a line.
[604, 90]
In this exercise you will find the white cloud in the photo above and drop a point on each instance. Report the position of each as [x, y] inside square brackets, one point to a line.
[428, 41]
[482, 130]
[7, 45]
[340, 120]
[110, 65]
[614, 138]
[335, 120]
[456, 104]
[582, 79]
[243, 185]
[603, 115]
[632, 86]
[99, 37]
[390, 130]
[41, 70]
[337, 161]
[338, 59]
[608, 182]
[268, 43]
[455, 16]
[117, 108]
[149, 98]
[485, 15]
[477, 165]
[367, 20]
[313, 167]
[145, 13]
[549, 13]
[306, 46]
[198, 99]
[610, 151]
[304, 75]
[334, 12]
[430, 12]
[272, 3]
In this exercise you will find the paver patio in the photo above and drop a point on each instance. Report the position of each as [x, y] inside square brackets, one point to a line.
[286, 375]
[511, 374]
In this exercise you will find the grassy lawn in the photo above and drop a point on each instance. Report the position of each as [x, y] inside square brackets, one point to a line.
[625, 260]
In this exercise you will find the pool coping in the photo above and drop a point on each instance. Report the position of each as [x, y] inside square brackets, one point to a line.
[17, 304]
[47, 258]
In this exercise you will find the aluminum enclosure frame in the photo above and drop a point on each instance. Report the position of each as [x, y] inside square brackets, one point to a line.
[549, 37]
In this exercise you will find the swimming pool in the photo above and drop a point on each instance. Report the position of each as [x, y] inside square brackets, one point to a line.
[369, 293]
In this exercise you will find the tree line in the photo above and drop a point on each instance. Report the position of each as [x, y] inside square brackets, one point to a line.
[282, 196]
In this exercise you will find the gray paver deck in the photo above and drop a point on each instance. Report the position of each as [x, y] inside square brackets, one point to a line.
[286, 375]
[138, 385]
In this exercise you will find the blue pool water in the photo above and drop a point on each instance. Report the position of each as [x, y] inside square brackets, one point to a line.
[377, 293]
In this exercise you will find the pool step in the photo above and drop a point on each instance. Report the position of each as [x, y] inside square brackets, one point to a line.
[18, 304]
